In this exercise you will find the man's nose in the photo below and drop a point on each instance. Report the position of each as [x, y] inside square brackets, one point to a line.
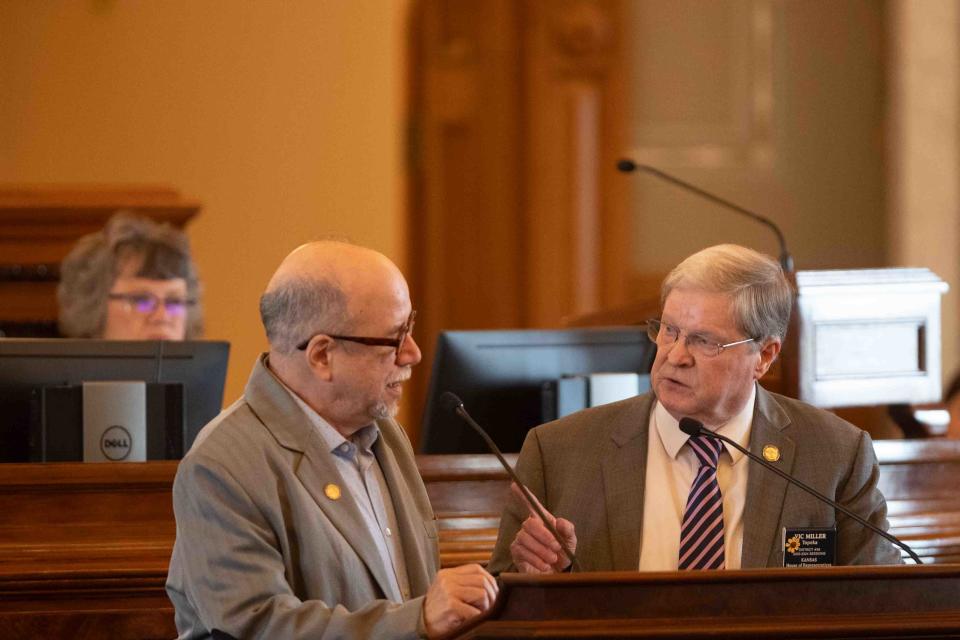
[679, 354]
[409, 353]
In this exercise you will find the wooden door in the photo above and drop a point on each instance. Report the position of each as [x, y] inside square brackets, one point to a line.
[517, 120]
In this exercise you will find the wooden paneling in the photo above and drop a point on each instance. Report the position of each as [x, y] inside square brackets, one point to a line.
[466, 256]
[919, 480]
[575, 125]
[80, 516]
[830, 602]
[40, 223]
[467, 494]
[517, 120]
[84, 548]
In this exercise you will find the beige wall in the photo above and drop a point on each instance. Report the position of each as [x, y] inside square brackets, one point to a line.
[924, 150]
[284, 118]
[760, 104]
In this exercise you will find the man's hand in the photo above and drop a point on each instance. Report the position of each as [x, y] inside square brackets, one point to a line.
[455, 596]
[533, 549]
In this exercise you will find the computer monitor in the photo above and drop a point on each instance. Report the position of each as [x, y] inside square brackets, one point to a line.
[500, 377]
[200, 366]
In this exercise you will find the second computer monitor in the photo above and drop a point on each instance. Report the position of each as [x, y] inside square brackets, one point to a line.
[501, 378]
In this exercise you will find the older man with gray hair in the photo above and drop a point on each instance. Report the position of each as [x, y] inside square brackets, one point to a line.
[629, 490]
[300, 511]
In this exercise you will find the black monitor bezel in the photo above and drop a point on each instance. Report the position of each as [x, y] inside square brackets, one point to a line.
[453, 344]
[197, 364]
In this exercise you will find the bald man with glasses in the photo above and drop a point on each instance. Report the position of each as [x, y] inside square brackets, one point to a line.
[628, 490]
[300, 511]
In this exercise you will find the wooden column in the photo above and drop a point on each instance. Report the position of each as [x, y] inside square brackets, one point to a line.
[517, 209]
[575, 201]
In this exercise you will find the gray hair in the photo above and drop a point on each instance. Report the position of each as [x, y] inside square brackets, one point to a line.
[88, 272]
[300, 307]
[761, 294]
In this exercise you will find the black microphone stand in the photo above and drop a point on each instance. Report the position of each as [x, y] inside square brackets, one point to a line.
[456, 405]
[786, 260]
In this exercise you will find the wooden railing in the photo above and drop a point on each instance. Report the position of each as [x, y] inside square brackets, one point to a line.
[467, 493]
[920, 480]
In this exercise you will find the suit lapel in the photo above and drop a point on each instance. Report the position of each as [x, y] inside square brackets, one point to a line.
[284, 418]
[765, 490]
[316, 471]
[624, 471]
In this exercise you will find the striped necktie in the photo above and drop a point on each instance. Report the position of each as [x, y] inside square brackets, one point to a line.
[701, 535]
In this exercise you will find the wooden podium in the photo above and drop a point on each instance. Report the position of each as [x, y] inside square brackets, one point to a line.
[833, 602]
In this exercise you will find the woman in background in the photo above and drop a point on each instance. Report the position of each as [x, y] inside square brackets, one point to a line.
[133, 280]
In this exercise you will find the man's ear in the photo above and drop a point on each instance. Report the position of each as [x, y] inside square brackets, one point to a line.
[320, 356]
[768, 353]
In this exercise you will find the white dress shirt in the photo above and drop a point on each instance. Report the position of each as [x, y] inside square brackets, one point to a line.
[671, 470]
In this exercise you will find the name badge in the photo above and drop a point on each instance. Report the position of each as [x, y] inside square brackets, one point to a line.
[809, 546]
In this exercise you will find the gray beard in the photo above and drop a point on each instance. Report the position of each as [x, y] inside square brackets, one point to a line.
[380, 411]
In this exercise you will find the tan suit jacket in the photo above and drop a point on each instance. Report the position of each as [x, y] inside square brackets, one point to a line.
[262, 552]
[590, 468]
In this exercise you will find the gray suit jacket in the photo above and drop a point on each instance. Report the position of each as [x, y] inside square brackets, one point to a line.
[590, 468]
[262, 552]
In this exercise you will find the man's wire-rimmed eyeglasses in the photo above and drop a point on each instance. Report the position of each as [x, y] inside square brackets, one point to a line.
[396, 343]
[698, 344]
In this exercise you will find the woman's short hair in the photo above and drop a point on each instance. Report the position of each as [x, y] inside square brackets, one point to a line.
[88, 272]
[761, 293]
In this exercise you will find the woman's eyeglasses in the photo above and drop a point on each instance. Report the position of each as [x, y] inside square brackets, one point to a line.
[147, 303]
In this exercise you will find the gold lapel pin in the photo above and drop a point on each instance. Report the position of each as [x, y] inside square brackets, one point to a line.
[771, 453]
[332, 491]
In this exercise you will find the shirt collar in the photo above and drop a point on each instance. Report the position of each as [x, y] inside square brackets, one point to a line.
[334, 441]
[736, 428]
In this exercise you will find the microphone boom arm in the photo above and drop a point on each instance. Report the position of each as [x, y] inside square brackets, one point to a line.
[531, 499]
[786, 260]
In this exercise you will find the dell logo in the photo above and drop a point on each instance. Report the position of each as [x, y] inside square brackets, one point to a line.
[116, 443]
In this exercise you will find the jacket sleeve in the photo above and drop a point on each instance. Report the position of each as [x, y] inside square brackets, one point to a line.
[859, 493]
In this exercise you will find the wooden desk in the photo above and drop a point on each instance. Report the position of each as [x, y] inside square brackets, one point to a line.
[84, 548]
[920, 480]
[832, 602]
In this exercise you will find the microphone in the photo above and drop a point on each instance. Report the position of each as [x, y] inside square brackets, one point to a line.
[451, 402]
[627, 165]
[693, 427]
